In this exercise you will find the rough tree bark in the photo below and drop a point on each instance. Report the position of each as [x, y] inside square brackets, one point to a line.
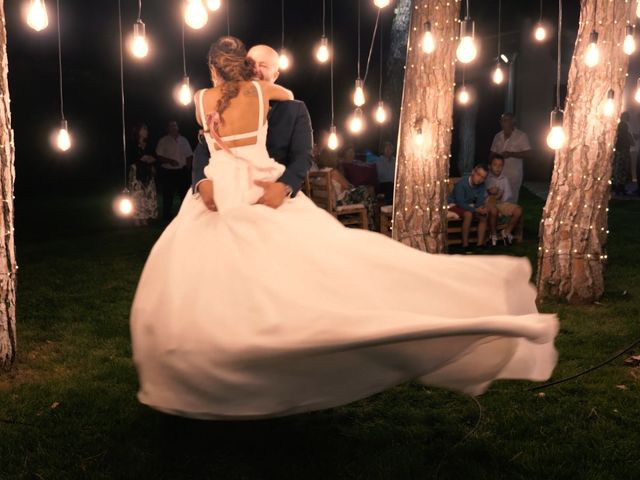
[7, 251]
[419, 212]
[573, 231]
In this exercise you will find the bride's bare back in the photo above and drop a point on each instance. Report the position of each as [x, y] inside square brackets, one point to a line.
[241, 116]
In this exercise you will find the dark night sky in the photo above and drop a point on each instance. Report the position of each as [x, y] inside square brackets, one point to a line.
[91, 69]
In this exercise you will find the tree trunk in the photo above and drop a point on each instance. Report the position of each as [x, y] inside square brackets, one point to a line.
[573, 230]
[7, 252]
[420, 200]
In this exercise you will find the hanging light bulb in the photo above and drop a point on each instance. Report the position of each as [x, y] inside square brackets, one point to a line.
[428, 43]
[381, 3]
[556, 137]
[498, 75]
[124, 204]
[195, 15]
[284, 61]
[467, 51]
[419, 138]
[185, 95]
[356, 124]
[139, 45]
[540, 33]
[358, 94]
[592, 57]
[332, 143]
[463, 95]
[214, 5]
[37, 17]
[322, 53]
[609, 104]
[629, 45]
[381, 113]
[636, 97]
[63, 139]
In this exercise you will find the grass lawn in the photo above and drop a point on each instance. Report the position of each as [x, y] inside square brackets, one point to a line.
[68, 409]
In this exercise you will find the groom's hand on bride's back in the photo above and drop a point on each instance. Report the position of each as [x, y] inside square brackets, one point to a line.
[205, 189]
[274, 193]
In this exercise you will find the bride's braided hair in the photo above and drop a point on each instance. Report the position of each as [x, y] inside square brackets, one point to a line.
[228, 56]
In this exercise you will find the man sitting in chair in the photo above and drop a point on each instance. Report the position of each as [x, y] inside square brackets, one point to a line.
[469, 198]
[501, 196]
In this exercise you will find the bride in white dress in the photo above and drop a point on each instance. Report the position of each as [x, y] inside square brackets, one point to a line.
[253, 312]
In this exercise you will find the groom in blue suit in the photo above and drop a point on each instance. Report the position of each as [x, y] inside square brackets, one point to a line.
[289, 142]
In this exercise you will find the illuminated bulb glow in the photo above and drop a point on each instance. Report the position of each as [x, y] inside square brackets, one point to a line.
[638, 10]
[498, 75]
[356, 124]
[358, 94]
[428, 43]
[466, 51]
[540, 33]
[124, 205]
[609, 104]
[37, 17]
[185, 95]
[592, 57]
[629, 45]
[463, 96]
[556, 137]
[139, 45]
[63, 139]
[381, 113]
[284, 61]
[195, 15]
[322, 53]
[332, 143]
[636, 97]
[381, 3]
[214, 5]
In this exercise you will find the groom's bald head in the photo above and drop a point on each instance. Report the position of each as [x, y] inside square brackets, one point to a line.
[266, 59]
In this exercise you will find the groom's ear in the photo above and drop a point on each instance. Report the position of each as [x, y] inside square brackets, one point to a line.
[276, 76]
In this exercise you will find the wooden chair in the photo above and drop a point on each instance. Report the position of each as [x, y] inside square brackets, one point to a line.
[323, 195]
[386, 212]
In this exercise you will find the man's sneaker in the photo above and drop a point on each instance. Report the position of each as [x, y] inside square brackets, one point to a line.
[507, 238]
[467, 250]
[494, 240]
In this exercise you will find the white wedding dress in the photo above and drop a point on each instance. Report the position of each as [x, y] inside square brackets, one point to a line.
[252, 312]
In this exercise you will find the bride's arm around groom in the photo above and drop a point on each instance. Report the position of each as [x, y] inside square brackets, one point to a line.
[289, 141]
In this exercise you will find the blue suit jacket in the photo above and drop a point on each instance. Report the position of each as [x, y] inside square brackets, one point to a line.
[289, 142]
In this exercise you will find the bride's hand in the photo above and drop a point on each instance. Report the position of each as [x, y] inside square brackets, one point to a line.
[205, 189]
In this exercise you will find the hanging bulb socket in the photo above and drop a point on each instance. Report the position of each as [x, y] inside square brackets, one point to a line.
[139, 29]
[467, 28]
[593, 37]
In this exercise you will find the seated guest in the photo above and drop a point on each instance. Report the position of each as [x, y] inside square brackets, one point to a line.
[348, 194]
[500, 195]
[386, 166]
[468, 201]
[348, 156]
